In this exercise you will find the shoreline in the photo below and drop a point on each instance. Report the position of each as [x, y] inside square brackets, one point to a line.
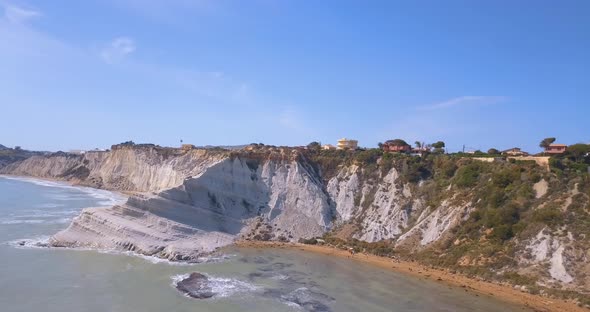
[66, 183]
[477, 287]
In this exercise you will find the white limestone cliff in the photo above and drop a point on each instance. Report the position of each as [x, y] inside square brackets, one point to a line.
[208, 211]
[122, 169]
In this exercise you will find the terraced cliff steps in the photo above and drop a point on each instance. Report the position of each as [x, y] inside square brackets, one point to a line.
[509, 221]
[227, 200]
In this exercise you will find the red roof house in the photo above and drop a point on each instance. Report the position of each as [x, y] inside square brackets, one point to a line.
[396, 146]
[556, 149]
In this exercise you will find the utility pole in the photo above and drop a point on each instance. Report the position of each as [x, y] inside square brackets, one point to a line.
[463, 148]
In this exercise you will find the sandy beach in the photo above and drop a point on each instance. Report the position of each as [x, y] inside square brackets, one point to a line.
[502, 292]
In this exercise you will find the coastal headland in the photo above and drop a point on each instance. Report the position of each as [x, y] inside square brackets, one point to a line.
[510, 222]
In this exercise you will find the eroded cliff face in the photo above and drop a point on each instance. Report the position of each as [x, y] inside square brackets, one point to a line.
[122, 169]
[385, 208]
[188, 203]
[233, 198]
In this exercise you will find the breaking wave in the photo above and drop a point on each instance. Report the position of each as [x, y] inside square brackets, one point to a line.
[34, 221]
[43, 242]
[36, 242]
[40, 217]
[50, 205]
[106, 198]
[157, 260]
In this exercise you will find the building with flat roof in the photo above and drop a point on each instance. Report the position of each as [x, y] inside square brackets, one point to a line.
[347, 144]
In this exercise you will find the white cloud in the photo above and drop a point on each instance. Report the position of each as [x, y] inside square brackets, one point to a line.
[465, 100]
[117, 50]
[17, 15]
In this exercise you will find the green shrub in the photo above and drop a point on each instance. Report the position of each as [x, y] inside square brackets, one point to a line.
[495, 198]
[310, 241]
[578, 167]
[505, 177]
[552, 216]
[519, 279]
[444, 167]
[386, 162]
[555, 163]
[503, 232]
[415, 172]
[468, 175]
[526, 191]
[369, 156]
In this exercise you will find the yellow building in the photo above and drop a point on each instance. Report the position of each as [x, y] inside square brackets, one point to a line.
[345, 143]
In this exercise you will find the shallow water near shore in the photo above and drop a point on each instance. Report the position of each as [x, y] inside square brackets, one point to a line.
[244, 279]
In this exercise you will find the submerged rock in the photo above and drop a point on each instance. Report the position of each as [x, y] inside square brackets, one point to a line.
[255, 275]
[277, 266]
[31, 243]
[308, 300]
[256, 260]
[196, 285]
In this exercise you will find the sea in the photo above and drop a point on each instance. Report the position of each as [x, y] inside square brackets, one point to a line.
[35, 278]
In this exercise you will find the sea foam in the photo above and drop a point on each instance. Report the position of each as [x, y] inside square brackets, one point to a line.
[36, 242]
[222, 287]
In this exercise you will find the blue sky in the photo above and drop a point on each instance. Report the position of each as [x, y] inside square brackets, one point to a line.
[86, 74]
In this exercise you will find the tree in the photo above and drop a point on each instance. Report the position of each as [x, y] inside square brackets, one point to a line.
[314, 146]
[439, 144]
[578, 151]
[493, 151]
[546, 142]
[439, 147]
[397, 142]
[418, 144]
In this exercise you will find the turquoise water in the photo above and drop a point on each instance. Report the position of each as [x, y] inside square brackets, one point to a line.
[43, 279]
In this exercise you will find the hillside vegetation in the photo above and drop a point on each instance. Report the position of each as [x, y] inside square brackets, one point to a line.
[524, 224]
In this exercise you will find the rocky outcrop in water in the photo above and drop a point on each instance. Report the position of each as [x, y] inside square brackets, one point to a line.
[196, 285]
